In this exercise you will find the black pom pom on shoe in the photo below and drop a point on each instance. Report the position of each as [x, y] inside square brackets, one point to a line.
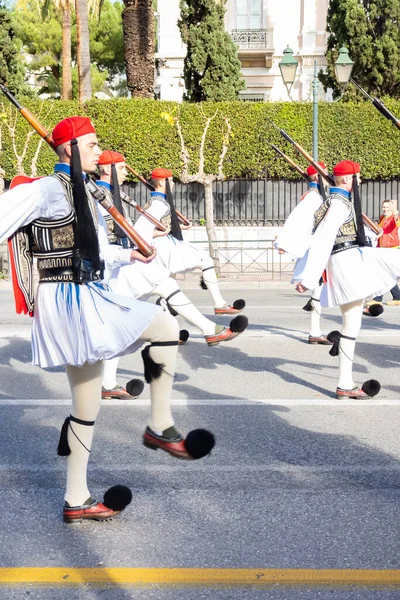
[199, 443]
[183, 336]
[238, 324]
[372, 387]
[117, 497]
[135, 387]
[239, 304]
[375, 310]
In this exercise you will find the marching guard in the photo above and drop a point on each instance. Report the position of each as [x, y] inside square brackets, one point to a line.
[295, 239]
[77, 321]
[143, 279]
[354, 270]
[173, 252]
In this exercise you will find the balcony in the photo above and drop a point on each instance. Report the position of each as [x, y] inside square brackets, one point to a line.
[255, 47]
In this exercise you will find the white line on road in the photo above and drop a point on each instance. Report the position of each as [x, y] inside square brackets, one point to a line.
[210, 402]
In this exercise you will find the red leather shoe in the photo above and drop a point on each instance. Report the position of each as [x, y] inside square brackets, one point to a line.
[224, 336]
[92, 511]
[356, 393]
[174, 446]
[117, 393]
[319, 339]
[231, 309]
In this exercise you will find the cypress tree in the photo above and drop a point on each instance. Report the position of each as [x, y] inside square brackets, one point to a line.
[11, 69]
[370, 29]
[212, 70]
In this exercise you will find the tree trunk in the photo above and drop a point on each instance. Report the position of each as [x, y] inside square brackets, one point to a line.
[83, 52]
[66, 93]
[210, 227]
[139, 46]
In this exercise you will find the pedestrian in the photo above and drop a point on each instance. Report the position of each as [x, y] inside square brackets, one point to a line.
[77, 321]
[354, 270]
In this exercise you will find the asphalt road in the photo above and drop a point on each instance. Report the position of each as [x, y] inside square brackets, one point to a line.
[297, 480]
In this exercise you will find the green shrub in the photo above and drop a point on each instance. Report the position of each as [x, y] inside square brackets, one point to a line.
[135, 127]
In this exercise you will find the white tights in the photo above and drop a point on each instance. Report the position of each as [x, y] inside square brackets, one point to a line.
[351, 325]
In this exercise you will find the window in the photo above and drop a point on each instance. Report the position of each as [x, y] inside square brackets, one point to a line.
[249, 14]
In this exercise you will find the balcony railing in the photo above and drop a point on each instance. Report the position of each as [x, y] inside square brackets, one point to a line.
[250, 38]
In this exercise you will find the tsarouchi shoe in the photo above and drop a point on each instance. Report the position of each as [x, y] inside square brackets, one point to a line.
[356, 394]
[133, 389]
[91, 510]
[173, 445]
[319, 339]
[231, 309]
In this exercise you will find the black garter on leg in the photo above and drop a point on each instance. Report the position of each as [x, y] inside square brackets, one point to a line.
[153, 370]
[63, 446]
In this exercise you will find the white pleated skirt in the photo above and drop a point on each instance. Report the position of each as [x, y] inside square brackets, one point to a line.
[358, 273]
[178, 256]
[74, 324]
[138, 280]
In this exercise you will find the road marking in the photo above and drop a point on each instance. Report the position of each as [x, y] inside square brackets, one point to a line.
[138, 577]
[209, 402]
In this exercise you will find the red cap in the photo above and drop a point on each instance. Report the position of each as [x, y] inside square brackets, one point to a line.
[313, 171]
[108, 157]
[71, 128]
[161, 174]
[346, 167]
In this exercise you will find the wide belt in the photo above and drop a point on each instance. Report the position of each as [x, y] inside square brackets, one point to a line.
[56, 274]
[80, 272]
[347, 245]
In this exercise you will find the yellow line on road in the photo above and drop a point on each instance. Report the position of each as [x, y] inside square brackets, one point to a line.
[137, 577]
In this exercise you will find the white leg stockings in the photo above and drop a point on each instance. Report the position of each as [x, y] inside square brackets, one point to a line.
[163, 333]
[170, 291]
[351, 325]
[210, 279]
[85, 384]
[316, 313]
[110, 373]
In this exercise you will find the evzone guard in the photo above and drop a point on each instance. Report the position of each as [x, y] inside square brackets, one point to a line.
[77, 321]
[173, 252]
[142, 280]
[354, 271]
[295, 239]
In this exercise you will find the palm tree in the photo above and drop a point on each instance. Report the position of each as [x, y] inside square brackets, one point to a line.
[139, 46]
[63, 6]
[83, 50]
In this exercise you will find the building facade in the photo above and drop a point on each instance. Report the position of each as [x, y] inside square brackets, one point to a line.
[261, 29]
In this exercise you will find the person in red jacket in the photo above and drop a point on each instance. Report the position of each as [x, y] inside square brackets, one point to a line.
[389, 222]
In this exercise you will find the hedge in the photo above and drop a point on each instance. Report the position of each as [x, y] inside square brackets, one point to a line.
[136, 128]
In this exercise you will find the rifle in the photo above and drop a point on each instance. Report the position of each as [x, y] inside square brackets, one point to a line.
[367, 221]
[141, 210]
[379, 105]
[182, 219]
[97, 193]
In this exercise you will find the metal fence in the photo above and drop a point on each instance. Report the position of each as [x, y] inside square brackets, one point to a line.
[241, 202]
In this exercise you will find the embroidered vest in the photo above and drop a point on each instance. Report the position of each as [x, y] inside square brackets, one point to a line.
[166, 218]
[346, 236]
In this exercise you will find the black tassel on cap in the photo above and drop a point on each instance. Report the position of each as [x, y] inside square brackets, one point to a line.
[358, 214]
[175, 227]
[63, 446]
[334, 337]
[203, 284]
[117, 200]
[309, 306]
[152, 370]
[199, 443]
[321, 186]
[117, 497]
[85, 234]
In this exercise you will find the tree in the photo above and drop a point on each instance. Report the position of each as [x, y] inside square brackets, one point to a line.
[201, 176]
[11, 69]
[83, 50]
[64, 8]
[212, 70]
[139, 47]
[370, 29]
